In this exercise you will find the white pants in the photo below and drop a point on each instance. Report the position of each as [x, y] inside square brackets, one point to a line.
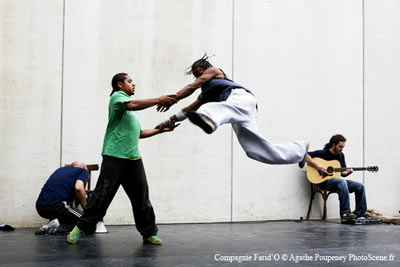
[240, 110]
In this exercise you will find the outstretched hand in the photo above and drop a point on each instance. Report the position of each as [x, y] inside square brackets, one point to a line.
[166, 101]
[169, 128]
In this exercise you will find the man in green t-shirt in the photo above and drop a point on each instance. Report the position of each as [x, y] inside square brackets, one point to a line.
[122, 162]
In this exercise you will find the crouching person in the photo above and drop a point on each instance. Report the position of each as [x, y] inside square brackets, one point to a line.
[63, 186]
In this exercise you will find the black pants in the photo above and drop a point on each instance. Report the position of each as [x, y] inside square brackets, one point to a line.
[131, 175]
[61, 211]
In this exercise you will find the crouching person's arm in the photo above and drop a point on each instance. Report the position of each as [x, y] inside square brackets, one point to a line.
[80, 193]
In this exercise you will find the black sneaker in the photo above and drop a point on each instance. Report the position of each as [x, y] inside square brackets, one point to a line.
[42, 230]
[203, 122]
[62, 229]
[348, 218]
[6, 227]
[303, 162]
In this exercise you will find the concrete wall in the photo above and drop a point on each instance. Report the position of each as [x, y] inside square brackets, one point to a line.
[304, 60]
[30, 95]
[382, 103]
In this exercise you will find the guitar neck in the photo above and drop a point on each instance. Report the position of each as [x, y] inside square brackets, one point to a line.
[354, 168]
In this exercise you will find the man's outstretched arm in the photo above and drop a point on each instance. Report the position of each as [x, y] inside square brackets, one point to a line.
[140, 104]
[151, 132]
[181, 114]
[186, 91]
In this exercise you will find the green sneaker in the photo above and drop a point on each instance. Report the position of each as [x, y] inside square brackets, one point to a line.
[74, 236]
[154, 240]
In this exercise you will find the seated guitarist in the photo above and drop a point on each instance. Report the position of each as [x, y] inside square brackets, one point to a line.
[333, 151]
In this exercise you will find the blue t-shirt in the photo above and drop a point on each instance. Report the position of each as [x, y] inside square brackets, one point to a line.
[61, 185]
[217, 90]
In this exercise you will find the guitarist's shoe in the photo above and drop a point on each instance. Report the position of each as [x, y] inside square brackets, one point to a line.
[348, 218]
[303, 162]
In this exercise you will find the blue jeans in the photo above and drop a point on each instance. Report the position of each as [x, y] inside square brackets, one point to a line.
[343, 187]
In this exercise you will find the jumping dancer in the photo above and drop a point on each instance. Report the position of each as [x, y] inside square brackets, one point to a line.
[223, 101]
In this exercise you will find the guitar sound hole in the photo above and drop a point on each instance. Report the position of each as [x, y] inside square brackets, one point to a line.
[330, 169]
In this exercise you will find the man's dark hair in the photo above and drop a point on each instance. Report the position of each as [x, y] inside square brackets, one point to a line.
[335, 140]
[120, 77]
[202, 63]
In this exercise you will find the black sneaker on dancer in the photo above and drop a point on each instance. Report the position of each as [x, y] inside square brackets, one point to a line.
[303, 162]
[202, 121]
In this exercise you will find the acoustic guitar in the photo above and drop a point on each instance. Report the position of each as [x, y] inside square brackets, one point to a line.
[333, 167]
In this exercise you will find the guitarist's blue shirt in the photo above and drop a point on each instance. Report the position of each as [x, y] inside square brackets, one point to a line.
[327, 155]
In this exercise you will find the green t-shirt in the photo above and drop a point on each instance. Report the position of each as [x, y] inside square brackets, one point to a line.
[123, 129]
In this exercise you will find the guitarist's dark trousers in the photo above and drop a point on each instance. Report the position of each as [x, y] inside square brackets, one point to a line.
[343, 187]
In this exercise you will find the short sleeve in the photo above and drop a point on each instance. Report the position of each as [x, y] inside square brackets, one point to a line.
[118, 100]
[83, 176]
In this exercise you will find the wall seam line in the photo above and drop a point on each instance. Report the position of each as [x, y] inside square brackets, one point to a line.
[232, 62]
[62, 86]
[363, 86]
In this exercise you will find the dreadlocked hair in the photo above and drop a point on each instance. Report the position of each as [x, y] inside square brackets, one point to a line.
[120, 77]
[335, 140]
[202, 63]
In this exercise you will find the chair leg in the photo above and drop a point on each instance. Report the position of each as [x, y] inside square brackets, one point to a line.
[325, 216]
[309, 206]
